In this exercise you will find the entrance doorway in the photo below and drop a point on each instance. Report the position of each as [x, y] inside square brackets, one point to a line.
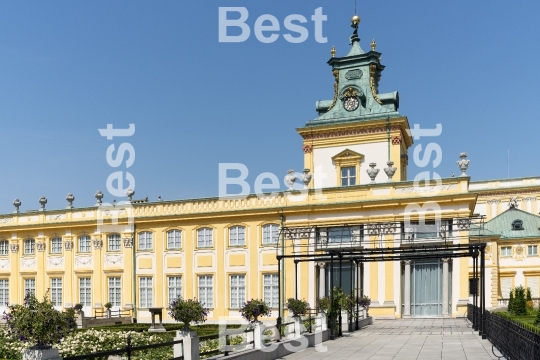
[426, 287]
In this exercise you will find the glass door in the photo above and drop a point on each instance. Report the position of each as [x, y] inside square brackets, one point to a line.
[426, 292]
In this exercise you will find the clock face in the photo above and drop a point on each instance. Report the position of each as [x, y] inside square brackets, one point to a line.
[351, 103]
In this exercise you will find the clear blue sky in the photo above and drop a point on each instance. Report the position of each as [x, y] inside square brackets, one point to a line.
[68, 68]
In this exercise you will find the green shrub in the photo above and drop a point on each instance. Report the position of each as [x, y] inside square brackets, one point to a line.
[254, 308]
[187, 311]
[519, 304]
[537, 318]
[297, 307]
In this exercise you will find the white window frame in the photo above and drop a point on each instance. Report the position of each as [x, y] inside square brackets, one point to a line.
[85, 291]
[174, 239]
[115, 290]
[503, 251]
[4, 292]
[4, 247]
[237, 236]
[271, 288]
[348, 178]
[270, 234]
[145, 240]
[174, 283]
[530, 248]
[206, 290]
[56, 245]
[56, 291]
[85, 244]
[29, 247]
[237, 290]
[114, 242]
[146, 291]
[205, 238]
[30, 286]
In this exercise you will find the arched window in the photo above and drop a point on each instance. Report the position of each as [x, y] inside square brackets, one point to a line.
[4, 247]
[204, 237]
[270, 234]
[114, 242]
[517, 225]
[145, 240]
[174, 239]
[84, 243]
[237, 236]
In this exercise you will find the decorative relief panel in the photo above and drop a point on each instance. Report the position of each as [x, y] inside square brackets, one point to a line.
[83, 261]
[6, 220]
[56, 217]
[40, 246]
[29, 263]
[114, 260]
[14, 248]
[98, 243]
[68, 245]
[128, 242]
[5, 264]
[426, 189]
[55, 262]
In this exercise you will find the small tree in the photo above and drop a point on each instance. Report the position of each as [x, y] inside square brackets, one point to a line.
[38, 322]
[297, 307]
[187, 311]
[511, 302]
[254, 308]
[519, 304]
[537, 319]
[323, 304]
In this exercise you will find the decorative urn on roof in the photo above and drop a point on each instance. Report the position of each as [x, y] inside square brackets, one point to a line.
[306, 177]
[70, 198]
[390, 170]
[290, 178]
[372, 173]
[42, 202]
[99, 197]
[130, 192]
[17, 203]
[463, 164]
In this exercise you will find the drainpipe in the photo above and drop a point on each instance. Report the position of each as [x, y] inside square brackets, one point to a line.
[282, 220]
[388, 132]
[134, 280]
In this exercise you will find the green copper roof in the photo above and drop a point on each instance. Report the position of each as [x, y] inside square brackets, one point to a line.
[502, 224]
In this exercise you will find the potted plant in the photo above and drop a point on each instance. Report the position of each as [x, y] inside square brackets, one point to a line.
[254, 308]
[39, 323]
[108, 307]
[187, 311]
[297, 307]
[78, 307]
[364, 301]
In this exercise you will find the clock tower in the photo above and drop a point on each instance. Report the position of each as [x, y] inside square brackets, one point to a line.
[359, 126]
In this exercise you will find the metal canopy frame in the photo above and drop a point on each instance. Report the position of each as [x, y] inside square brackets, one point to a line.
[411, 247]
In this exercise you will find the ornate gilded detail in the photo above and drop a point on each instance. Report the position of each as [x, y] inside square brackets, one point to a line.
[519, 253]
[350, 92]
[372, 84]
[333, 134]
[335, 72]
[373, 45]
[307, 149]
[333, 51]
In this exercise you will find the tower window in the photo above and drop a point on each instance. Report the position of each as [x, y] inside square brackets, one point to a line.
[517, 225]
[348, 176]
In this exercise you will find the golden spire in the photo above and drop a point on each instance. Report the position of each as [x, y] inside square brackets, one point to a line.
[355, 21]
[333, 51]
[373, 45]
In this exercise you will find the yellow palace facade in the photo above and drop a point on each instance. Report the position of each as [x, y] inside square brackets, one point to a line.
[139, 254]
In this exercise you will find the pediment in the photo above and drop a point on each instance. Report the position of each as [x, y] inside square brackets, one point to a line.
[347, 156]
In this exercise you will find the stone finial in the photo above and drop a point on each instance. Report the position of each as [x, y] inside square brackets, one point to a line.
[372, 173]
[306, 177]
[333, 51]
[99, 197]
[373, 45]
[70, 198]
[463, 164]
[129, 193]
[290, 178]
[17, 203]
[390, 170]
[42, 202]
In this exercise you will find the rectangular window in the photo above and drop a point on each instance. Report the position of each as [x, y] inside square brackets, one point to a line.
[204, 238]
[56, 291]
[348, 176]
[29, 246]
[506, 286]
[237, 236]
[145, 292]
[115, 291]
[270, 234]
[56, 246]
[4, 292]
[270, 296]
[84, 244]
[238, 291]
[145, 241]
[30, 286]
[206, 290]
[114, 242]
[506, 251]
[4, 247]
[174, 239]
[532, 250]
[175, 287]
[85, 291]
[533, 282]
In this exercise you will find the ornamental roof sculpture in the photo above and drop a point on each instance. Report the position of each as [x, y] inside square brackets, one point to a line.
[356, 82]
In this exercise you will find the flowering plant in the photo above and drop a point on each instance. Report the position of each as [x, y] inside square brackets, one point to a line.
[297, 307]
[38, 322]
[187, 311]
[253, 309]
[364, 301]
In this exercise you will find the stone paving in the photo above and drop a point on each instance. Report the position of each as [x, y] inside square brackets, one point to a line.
[428, 339]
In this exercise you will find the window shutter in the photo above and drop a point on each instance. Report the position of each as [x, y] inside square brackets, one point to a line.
[533, 283]
[506, 286]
